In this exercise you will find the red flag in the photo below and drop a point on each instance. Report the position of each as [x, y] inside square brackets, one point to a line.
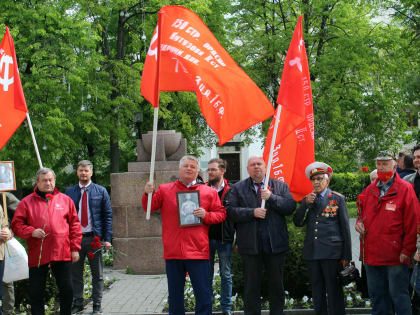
[191, 59]
[12, 101]
[294, 147]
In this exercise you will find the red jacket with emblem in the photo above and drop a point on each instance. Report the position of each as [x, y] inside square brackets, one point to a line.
[62, 226]
[190, 242]
[390, 223]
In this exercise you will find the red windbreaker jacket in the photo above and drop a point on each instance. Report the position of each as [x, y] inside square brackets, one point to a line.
[185, 242]
[390, 223]
[62, 226]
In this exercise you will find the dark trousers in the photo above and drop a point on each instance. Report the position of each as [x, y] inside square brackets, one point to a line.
[8, 291]
[37, 281]
[388, 288]
[198, 270]
[253, 265]
[96, 267]
[327, 292]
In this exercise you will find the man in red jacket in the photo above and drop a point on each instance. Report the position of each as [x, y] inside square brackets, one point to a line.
[186, 247]
[48, 220]
[387, 226]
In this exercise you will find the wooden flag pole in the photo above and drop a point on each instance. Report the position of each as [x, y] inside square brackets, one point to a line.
[155, 118]
[34, 140]
[5, 206]
[152, 160]
[270, 158]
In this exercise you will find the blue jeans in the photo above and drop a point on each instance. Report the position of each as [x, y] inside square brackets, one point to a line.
[415, 278]
[198, 270]
[224, 251]
[388, 285]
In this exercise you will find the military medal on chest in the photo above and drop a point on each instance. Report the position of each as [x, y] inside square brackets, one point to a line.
[330, 210]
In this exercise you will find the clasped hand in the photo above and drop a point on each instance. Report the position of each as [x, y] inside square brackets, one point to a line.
[39, 233]
[310, 198]
[200, 213]
[5, 235]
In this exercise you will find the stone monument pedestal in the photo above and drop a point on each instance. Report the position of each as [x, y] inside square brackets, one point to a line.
[138, 242]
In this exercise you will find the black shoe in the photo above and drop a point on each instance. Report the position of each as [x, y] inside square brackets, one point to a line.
[77, 309]
[96, 309]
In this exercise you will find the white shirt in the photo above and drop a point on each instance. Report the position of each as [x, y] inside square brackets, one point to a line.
[221, 187]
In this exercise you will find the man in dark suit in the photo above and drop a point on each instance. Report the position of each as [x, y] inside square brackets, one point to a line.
[261, 233]
[327, 245]
[95, 214]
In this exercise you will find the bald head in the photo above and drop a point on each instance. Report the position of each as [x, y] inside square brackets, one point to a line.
[256, 168]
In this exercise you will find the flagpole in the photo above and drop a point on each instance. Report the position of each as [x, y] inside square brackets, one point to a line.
[270, 158]
[155, 116]
[152, 160]
[5, 206]
[34, 140]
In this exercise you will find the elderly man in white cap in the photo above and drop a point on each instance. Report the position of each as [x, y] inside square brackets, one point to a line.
[387, 226]
[327, 245]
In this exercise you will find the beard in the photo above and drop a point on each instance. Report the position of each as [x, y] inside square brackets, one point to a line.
[214, 181]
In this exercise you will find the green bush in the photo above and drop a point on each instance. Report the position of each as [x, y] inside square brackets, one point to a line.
[349, 184]
[296, 276]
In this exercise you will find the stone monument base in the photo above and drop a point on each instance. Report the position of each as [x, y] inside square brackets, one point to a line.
[137, 241]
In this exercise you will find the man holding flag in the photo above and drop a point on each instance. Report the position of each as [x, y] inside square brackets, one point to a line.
[185, 56]
[261, 233]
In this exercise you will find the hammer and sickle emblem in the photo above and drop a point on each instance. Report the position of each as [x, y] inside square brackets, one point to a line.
[153, 52]
[297, 62]
[6, 81]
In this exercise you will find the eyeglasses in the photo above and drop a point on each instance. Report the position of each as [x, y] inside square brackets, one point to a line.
[317, 179]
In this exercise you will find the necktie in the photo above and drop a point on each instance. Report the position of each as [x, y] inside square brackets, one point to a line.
[259, 193]
[84, 219]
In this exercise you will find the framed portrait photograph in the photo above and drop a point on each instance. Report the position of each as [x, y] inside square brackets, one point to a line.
[188, 201]
[7, 176]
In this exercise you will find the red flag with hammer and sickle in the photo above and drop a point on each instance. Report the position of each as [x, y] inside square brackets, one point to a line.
[294, 147]
[185, 56]
[12, 101]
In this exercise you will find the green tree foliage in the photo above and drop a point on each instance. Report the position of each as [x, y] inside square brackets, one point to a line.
[80, 64]
[407, 13]
[81, 60]
[356, 63]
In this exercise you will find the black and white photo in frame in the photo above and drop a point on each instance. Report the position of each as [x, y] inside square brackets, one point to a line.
[188, 201]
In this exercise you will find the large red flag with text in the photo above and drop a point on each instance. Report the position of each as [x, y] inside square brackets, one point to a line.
[12, 101]
[294, 147]
[191, 59]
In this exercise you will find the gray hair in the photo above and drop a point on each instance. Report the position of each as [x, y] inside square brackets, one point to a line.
[188, 157]
[43, 171]
[84, 163]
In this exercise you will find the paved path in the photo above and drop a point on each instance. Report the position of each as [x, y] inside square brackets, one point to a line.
[147, 294]
[133, 294]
